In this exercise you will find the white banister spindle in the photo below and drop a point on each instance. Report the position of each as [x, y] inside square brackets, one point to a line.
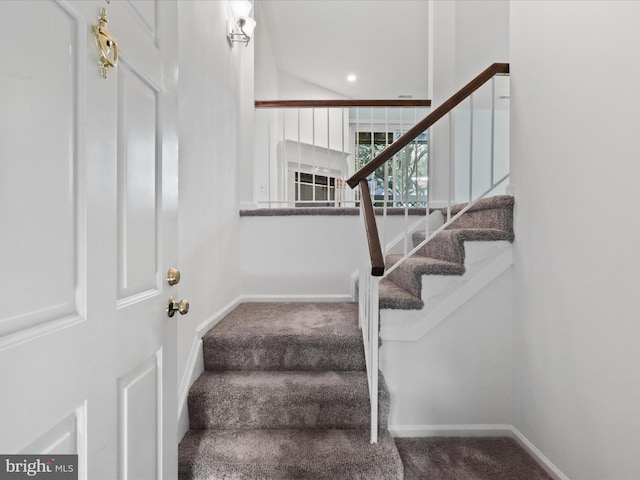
[385, 174]
[373, 154]
[405, 191]
[356, 146]
[313, 154]
[452, 159]
[493, 127]
[329, 159]
[373, 355]
[272, 148]
[471, 147]
[299, 173]
[342, 177]
[283, 149]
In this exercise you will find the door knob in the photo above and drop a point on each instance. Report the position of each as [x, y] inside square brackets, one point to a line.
[172, 307]
[173, 276]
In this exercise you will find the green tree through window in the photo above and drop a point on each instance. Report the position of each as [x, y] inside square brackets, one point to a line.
[406, 177]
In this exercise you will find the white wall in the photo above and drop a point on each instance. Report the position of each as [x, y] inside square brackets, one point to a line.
[308, 255]
[575, 155]
[466, 36]
[266, 70]
[209, 113]
[294, 88]
[459, 373]
[481, 37]
[299, 255]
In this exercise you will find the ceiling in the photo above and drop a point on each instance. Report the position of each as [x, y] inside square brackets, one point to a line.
[382, 42]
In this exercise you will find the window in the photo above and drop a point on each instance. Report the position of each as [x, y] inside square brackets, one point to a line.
[307, 183]
[406, 173]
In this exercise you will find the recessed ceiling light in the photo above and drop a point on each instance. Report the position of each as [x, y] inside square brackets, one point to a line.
[351, 78]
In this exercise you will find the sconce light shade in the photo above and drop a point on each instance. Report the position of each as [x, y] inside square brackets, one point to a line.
[243, 25]
[249, 25]
[241, 8]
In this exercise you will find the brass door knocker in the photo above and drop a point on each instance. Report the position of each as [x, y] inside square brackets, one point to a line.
[107, 44]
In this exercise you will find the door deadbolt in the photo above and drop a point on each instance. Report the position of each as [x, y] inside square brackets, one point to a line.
[173, 276]
[181, 307]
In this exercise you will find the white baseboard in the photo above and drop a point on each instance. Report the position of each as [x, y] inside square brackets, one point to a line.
[480, 430]
[546, 464]
[298, 298]
[195, 363]
[210, 322]
[195, 367]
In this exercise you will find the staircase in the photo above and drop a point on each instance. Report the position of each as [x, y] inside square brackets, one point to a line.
[284, 396]
[284, 393]
[489, 219]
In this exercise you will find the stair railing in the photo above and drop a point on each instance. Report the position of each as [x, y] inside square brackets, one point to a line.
[306, 149]
[469, 179]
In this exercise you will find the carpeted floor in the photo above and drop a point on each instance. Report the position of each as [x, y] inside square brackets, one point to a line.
[467, 458]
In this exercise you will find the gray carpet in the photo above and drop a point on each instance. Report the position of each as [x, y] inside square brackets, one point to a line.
[475, 458]
[489, 219]
[327, 211]
[288, 454]
[282, 399]
[286, 336]
[285, 396]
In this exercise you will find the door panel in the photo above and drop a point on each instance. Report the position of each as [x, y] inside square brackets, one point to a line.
[38, 135]
[140, 421]
[137, 184]
[66, 437]
[147, 12]
[88, 204]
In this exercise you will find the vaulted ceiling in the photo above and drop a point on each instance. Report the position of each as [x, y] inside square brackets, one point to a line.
[382, 42]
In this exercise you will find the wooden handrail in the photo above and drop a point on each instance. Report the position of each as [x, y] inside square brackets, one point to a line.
[427, 122]
[375, 251]
[341, 103]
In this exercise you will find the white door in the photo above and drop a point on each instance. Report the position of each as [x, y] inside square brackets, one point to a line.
[88, 202]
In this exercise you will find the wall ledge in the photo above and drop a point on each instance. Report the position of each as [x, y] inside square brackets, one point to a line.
[325, 211]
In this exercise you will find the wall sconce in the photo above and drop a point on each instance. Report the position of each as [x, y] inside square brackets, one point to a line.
[242, 29]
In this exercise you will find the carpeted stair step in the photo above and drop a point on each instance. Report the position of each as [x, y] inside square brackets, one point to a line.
[286, 336]
[283, 399]
[449, 244]
[490, 219]
[288, 454]
[492, 212]
[408, 276]
[394, 297]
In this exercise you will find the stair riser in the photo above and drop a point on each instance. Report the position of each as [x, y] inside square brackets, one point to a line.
[243, 400]
[287, 455]
[500, 218]
[283, 355]
[444, 247]
[269, 413]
